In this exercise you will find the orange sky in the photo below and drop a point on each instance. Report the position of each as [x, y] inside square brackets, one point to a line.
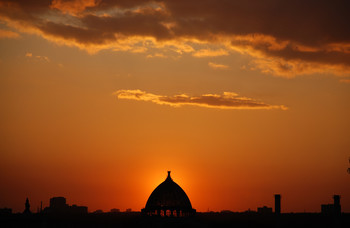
[240, 100]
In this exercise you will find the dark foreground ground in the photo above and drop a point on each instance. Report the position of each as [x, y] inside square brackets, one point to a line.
[135, 219]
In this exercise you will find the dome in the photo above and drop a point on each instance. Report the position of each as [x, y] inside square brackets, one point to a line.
[168, 199]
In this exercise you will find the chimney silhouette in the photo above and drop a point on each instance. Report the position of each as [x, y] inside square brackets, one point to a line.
[277, 204]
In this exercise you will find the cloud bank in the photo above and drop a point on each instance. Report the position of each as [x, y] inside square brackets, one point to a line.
[227, 100]
[283, 38]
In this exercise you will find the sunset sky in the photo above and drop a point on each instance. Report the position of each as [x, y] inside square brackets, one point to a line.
[240, 99]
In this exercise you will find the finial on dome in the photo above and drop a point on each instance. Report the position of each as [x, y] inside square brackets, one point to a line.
[168, 177]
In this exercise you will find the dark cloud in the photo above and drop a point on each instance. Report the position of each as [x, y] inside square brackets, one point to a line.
[131, 24]
[106, 4]
[310, 22]
[313, 32]
[81, 35]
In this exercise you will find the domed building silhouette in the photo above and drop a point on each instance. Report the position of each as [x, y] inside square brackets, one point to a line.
[168, 200]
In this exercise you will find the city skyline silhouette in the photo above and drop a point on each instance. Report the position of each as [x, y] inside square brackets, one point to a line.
[169, 206]
[167, 199]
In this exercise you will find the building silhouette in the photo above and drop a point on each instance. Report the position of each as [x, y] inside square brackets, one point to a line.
[168, 200]
[115, 210]
[265, 210]
[332, 209]
[58, 205]
[98, 211]
[5, 211]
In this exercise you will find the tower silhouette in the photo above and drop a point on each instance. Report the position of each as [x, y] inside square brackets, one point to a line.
[277, 204]
[27, 207]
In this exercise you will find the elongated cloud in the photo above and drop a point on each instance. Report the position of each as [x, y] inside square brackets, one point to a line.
[227, 100]
[283, 38]
[217, 66]
[209, 53]
[38, 57]
[72, 6]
